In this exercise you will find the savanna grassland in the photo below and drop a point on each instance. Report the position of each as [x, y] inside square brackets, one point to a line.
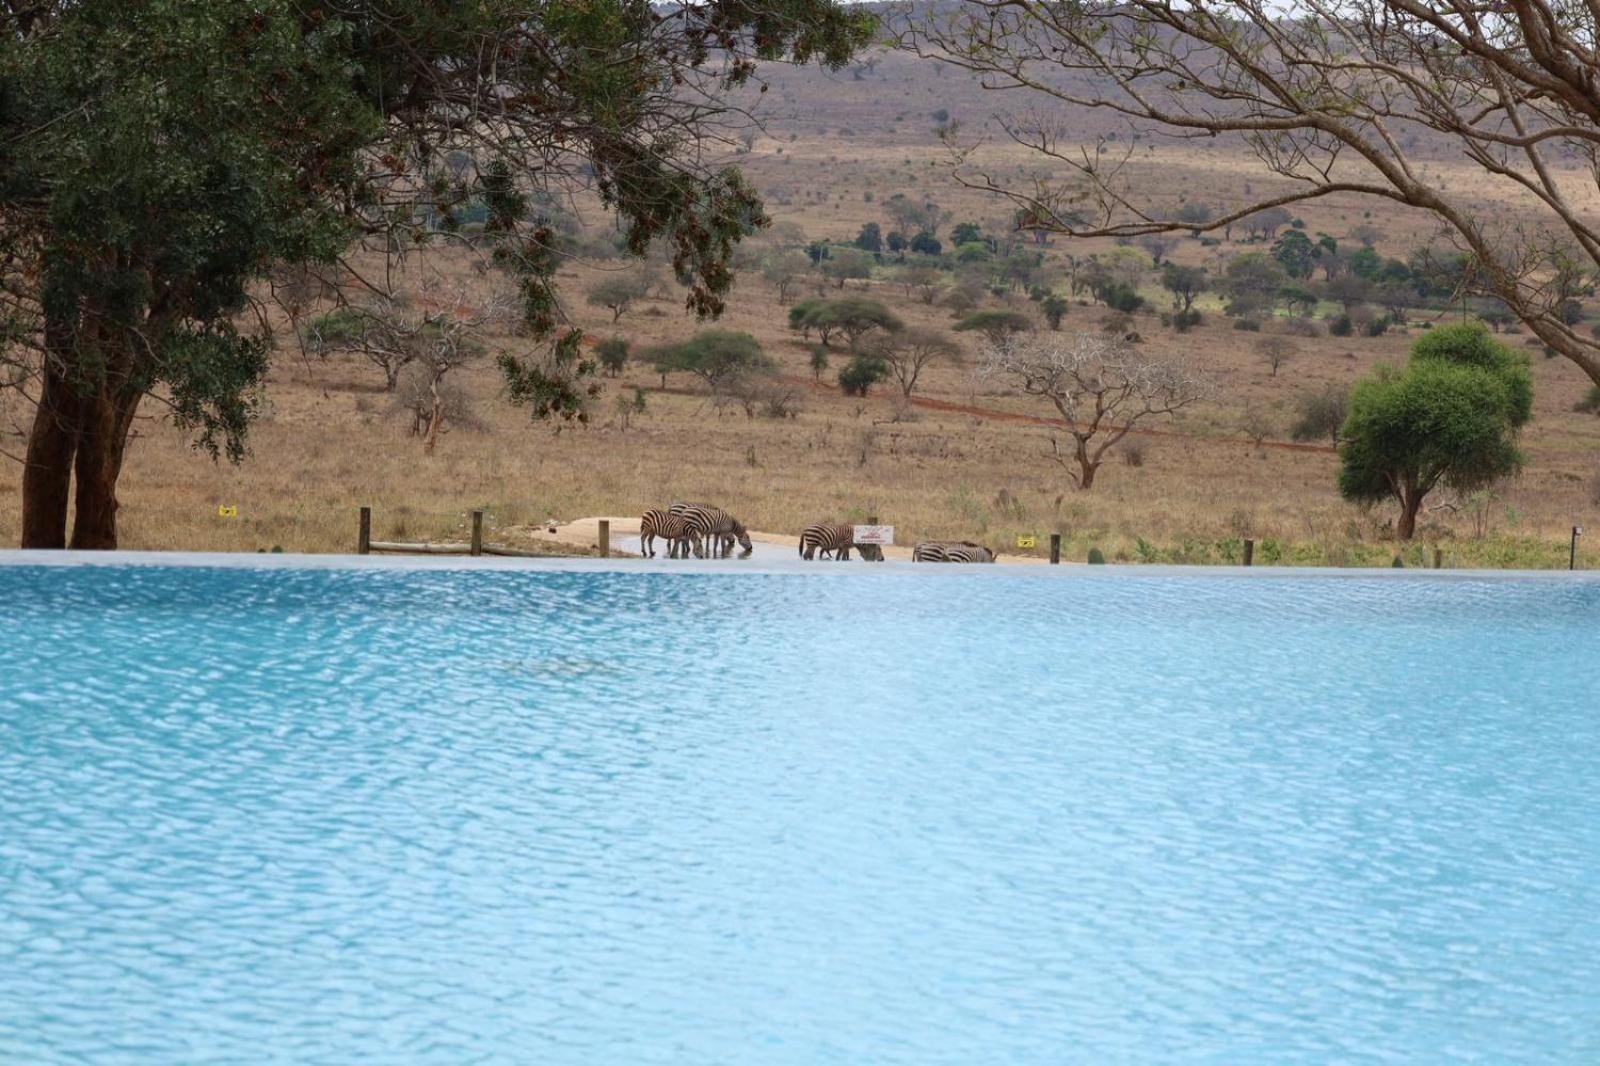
[834, 149]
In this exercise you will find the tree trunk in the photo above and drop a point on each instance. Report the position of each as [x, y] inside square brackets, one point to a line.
[435, 419]
[1406, 527]
[1086, 467]
[47, 471]
[102, 443]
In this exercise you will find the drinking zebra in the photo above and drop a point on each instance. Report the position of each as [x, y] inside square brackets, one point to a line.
[674, 529]
[713, 522]
[834, 542]
[965, 551]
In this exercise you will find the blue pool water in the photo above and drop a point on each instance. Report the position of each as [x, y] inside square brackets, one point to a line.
[892, 817]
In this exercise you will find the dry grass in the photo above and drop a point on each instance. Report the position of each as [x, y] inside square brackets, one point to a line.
[329, 441]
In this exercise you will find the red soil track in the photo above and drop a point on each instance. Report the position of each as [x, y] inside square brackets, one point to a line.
[994, 415]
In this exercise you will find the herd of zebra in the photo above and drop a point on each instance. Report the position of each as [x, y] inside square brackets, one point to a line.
[701, 530]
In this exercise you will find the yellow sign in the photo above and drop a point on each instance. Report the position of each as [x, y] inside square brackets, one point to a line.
[1027, 541]
[227, 512]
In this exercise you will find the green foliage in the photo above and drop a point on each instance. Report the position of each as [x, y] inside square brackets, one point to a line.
[1123, 298]
[861, 373]
[846, 264]
[966, 233]
[1247, 325]
[719, 357]
[1450, 417]
[1054, 308]
[161, 156]
[819, 360]
[926, 244]
[1590, 404]
[613, 354]
[1341, 326]
[1096, 557]
[1184, 321]
[1184, 283]
[851, 316]
[996, 325]
[1296, 253]
[870, 239]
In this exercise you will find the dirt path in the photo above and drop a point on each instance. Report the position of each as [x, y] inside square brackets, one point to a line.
[995, 415]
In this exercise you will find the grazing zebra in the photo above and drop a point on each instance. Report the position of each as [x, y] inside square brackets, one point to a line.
[965, 551]
[674, 529]
[717, 529]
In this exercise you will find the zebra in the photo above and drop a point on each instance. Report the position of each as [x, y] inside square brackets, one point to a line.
[717, 529]
[965, 551]
[835, 541]
[674, 529]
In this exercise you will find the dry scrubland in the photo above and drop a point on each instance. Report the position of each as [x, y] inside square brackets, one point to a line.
[330, 439]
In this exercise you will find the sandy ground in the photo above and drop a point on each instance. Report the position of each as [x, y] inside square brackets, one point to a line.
[585, 532]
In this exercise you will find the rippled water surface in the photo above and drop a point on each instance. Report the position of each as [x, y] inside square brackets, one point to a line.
[385, 817]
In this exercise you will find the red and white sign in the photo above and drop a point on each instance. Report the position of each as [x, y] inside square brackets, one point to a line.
[874, 535]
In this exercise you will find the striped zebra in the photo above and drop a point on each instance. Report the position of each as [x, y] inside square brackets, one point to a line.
[833, 541]
[674, 529]
[718, 530]
[964, 551]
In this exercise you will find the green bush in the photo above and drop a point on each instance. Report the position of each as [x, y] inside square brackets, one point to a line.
[1590, 404]
[861, 373]
[1341, 326]
[1123, 298]
[1248, 325]
[1096, 557]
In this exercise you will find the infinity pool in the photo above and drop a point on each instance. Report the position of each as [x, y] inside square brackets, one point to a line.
[877, 816]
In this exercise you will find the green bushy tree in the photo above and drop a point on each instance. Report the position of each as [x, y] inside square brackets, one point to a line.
[1450, 417]
[160, 157]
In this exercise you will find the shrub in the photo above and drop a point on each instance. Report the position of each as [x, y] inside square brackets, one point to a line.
[613, 354]
[1303, 327]
[1248, 325]
[1321, 415]
[1590, 404]
[1341, 326]
[1184, 321]
[1123, 298]
[861, 373]
[1096, 557]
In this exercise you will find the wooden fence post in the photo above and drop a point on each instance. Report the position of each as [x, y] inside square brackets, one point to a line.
[1055, 549]
[477, 533]
[605, 539]
[1249, 552]
[364, 532]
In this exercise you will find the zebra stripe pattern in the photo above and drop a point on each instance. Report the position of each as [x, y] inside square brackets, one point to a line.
[965, 551]
[674, 529]
[713, 522]
[827, 538]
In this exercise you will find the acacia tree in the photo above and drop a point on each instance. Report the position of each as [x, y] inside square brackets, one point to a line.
[1451, 417]
[719, 357]
[617, 295]
[1331, 96]
[907, 353]
[162, 156]
[1100, 386]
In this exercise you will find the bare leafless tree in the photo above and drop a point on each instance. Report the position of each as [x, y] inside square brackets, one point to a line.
[1275, 351]
[909, 352]
[1334, 96]
[429, 328]
[1100, 386]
